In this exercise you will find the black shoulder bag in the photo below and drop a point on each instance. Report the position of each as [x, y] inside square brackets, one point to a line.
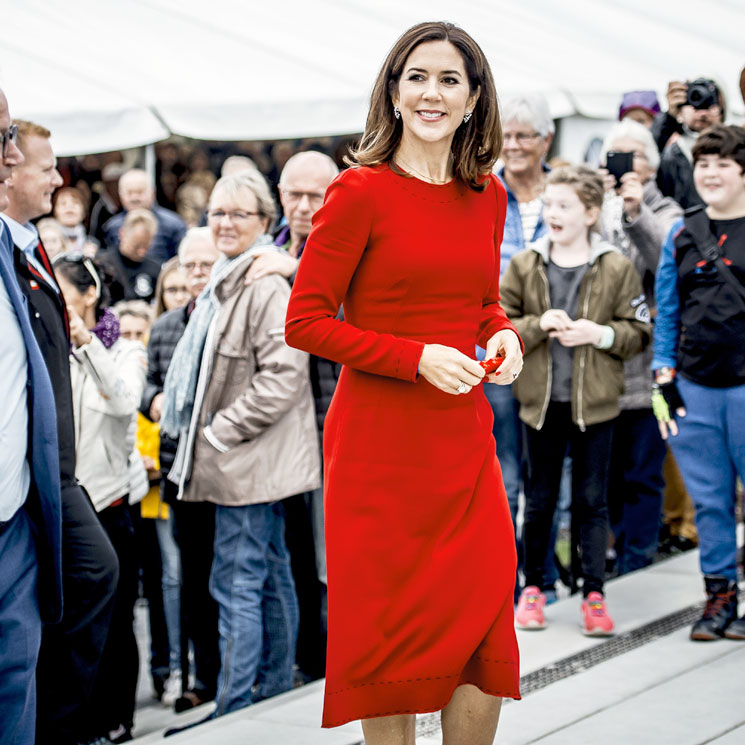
[698, 225]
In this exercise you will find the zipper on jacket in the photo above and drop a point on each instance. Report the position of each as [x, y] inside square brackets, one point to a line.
[547, 399]
[583, 354]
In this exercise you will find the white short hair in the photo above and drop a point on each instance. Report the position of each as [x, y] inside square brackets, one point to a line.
[191, 235]
[532, 109]
[634, 131]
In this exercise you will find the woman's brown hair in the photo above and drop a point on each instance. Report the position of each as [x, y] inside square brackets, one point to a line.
[171, 266]
[476, 144]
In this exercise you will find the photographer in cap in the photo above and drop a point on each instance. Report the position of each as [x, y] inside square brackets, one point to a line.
[692, 108]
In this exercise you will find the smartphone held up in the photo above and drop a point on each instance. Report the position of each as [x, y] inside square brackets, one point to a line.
[617, 164]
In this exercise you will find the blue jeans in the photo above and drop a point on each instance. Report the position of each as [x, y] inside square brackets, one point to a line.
[710, 451]
[506, 430]
[252, 583]
[171, 581]
[636, 488]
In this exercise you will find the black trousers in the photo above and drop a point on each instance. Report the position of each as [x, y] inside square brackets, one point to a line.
[71, 650]
[591, 451]
[116, 685]
[311, 639]
[150, 568]
[194, 531]
[636, 488]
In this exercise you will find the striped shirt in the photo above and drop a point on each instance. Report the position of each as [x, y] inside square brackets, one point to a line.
[530, 213]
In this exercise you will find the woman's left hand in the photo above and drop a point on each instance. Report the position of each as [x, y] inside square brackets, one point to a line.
[79, 334]
[506, 344]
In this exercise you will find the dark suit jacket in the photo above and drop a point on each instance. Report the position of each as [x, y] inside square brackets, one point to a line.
[43, 503]
[52, 330]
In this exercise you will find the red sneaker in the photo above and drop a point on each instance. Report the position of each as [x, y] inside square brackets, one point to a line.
[595, 618]
[529, 613]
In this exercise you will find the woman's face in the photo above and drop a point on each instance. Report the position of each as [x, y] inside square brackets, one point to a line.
[68, 210]
[234, 221]
[79, 302]
[524, 149]
[433, 93]
[175, 290]
[567, 218]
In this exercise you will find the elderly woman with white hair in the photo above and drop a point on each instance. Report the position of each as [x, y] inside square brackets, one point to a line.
[240, 401]
[528, 132]
[636, 219]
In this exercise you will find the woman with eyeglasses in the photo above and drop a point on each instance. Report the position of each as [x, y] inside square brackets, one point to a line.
[193, 523]
[239, 399]
[108, 377]
[171, 289]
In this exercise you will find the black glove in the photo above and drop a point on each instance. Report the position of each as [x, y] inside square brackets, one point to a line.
[666, 399]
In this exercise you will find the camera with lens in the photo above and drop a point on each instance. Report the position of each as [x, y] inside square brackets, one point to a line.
[702, 94]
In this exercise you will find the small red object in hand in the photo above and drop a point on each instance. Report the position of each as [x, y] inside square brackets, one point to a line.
[490, 366]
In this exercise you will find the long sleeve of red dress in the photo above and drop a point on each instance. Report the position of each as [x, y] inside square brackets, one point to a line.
[341, 231]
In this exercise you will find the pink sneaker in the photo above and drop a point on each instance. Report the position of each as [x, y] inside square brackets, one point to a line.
[595, 618]
[529, 613]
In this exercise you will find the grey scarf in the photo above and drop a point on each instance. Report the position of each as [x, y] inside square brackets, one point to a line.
[180, 385]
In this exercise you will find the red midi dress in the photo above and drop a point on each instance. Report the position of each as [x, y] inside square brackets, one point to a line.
[419, 539]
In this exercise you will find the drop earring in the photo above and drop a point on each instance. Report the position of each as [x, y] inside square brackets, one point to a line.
[467, 117]
[396, 112]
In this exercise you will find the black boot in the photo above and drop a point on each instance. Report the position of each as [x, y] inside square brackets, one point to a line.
[720, 611]
[736, 630]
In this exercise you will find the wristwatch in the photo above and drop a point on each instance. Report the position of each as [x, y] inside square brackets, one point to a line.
[664, 375]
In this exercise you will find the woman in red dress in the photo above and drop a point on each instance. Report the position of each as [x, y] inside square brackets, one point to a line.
[419, 539]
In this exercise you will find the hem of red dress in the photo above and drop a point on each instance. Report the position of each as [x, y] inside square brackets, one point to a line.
[423, 695]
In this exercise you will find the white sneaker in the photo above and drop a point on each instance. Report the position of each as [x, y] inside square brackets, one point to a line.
[172, 689]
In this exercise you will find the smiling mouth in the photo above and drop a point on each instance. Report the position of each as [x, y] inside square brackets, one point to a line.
[431, 115]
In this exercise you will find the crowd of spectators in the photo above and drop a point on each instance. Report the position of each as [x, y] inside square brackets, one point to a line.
[189, 432]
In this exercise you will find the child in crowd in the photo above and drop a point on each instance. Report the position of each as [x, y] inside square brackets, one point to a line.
[699, 363]
[580, 310]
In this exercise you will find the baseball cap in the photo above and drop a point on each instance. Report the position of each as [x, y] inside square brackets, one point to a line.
[645, 100]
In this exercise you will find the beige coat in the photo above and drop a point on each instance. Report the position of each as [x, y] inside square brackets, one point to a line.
[260, 443]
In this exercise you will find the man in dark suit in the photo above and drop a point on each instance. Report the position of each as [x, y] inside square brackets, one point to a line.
[70, 650]
[30, 521]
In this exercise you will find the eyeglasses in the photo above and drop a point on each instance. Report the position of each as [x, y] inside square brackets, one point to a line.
[190, 266]
[314, 197]
[78, 257]
[234, 216]
[10, 136]
[521, 137]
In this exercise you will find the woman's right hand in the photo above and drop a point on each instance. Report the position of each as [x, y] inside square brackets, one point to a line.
[79, 334]
[446, 368]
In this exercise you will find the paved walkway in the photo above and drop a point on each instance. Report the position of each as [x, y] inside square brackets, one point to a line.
[649, 684]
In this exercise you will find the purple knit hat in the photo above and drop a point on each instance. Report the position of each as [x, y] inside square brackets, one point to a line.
[644, 100]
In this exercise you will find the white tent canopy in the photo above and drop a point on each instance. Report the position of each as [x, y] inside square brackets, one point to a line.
[107, 76]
